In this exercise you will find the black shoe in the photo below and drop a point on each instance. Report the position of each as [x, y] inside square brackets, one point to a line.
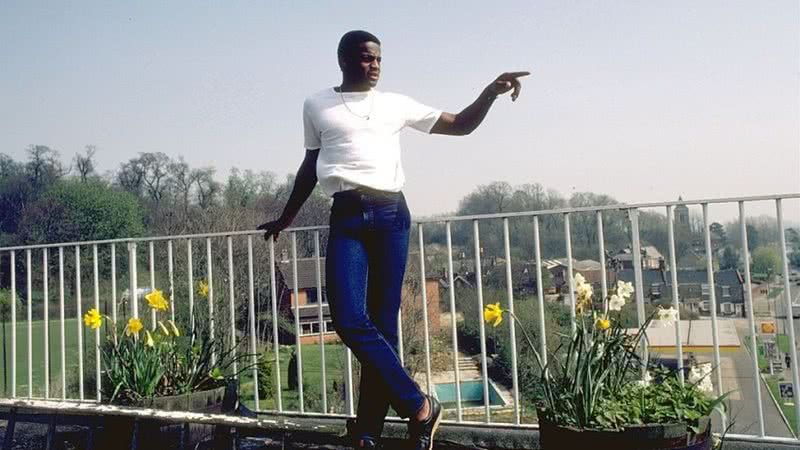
[421, 433]
[358, 441]
[367, 443]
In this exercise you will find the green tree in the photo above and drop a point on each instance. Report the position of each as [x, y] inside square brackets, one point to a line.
[729, 259]
[266, 388]
[75, 211]
[794, 258]
[766, 261]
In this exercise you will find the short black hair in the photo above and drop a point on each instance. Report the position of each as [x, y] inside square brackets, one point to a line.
[350, 41]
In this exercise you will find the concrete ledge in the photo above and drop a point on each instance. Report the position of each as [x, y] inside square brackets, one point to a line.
[296, 431]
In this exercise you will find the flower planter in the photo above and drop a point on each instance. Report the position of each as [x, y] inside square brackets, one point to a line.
[153, 434]
[640, 437]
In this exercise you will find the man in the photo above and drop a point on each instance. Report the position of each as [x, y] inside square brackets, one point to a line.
[353, 151]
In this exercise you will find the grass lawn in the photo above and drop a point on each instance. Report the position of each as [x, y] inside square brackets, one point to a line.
[788, 410]
[312, 378]
[774, 292]
[783, 347]
[37, 333]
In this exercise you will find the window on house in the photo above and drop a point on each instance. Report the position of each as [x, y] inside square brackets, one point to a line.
[704, 289]
[311, 296]
[727, 307]
[704, 305]
[309, 328]
[329, 327]
[726, 291]
[655, 289]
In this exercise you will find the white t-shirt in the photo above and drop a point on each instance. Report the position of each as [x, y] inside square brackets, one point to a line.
[358, 134]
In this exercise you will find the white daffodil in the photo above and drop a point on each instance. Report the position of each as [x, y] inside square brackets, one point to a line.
[579, 280]
[700, 376]
[667, 316]
[615, 303]
[624, 289]
[645, 381]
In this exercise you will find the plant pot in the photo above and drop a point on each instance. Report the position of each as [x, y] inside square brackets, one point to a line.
[153, 434]
[638, 437]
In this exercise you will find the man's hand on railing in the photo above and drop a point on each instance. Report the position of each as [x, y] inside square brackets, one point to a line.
[274, 228]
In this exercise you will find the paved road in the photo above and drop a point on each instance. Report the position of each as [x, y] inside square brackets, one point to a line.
[737, 374]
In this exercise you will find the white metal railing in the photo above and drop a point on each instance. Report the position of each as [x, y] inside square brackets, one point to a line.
[242, 300]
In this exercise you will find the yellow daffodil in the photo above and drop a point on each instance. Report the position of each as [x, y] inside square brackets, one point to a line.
[174, 328]
[602, 324]
[202, 289]
[493, 313]
[92, 319]
[156, 300]
[134, 327]
[149, 339]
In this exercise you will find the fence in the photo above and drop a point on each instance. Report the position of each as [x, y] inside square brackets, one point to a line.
[247, 297]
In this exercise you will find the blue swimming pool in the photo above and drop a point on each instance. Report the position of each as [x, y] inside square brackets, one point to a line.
[471, 394]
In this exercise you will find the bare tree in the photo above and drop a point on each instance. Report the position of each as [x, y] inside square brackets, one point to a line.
[8, 166]
[207, 187]
[155, 175]
[44, 166]
[130, 176]
[84, 164]
[182, 178]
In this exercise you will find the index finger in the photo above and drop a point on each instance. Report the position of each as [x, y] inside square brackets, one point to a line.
[518, 74]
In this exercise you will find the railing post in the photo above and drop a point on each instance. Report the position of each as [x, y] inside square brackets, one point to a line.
[133, 298]
[712, 295]
[46, 327]
[274, 295]
[453, 319]
[296, 309]
[62, 331]
[511, 324]
[79, 315]
[232, 302]
[29, 295]
[787, 295]
[673, 266]
[252, 319]
[751, 319]
[481, 325]
[570, 275]
[540, 290]
[321, 319]
[97, 372]
[210, 277]
[424, 298]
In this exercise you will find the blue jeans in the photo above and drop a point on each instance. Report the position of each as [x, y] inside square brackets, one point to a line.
[365, 264]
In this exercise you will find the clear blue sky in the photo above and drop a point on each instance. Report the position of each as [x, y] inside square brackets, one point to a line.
[644, 101]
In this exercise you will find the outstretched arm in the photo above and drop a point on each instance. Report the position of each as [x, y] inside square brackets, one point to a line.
[468, 120]
[304, 184]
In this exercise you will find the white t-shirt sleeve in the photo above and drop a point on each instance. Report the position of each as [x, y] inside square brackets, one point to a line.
[418, 116]
[311, 134]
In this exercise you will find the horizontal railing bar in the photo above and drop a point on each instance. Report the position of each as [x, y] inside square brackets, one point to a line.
[619, 206]
[544, 212]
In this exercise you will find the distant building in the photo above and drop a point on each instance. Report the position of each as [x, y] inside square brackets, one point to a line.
[693, 290]
[650, 256]
[682, 224]
[310, 300]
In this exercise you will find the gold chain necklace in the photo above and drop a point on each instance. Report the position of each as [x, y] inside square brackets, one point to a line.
[371, 105]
